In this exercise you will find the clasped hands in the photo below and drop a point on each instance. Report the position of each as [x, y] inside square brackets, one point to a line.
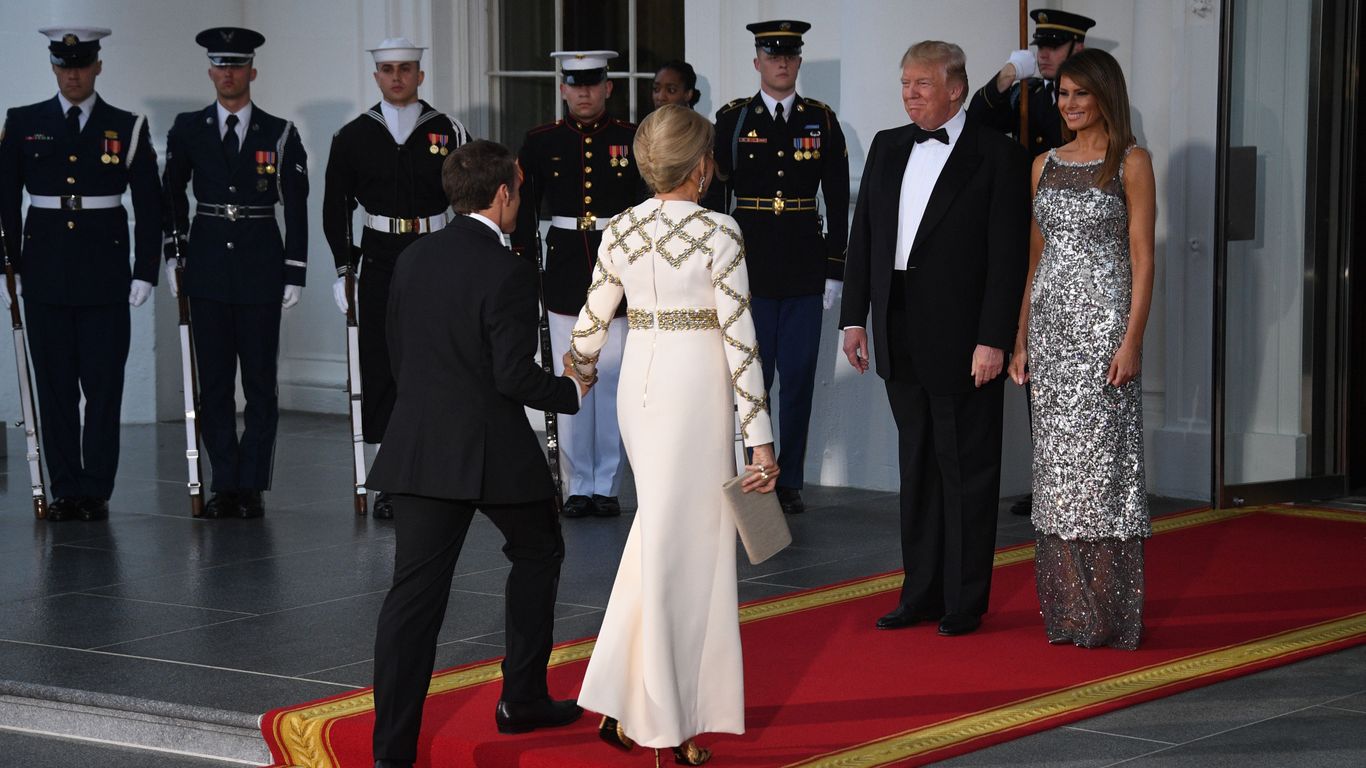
[585, 379]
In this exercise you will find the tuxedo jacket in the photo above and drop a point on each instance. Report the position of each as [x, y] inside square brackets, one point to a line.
[967, 265]
[462, 333]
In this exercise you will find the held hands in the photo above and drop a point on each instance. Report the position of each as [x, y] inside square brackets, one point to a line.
[1125, 366]
[138, 292]
[987, 363]
[171, 265]
[291, 297]
[18, 291]
[763, 473]
[833, 289]
[856, 348]
[339, 294]
[584, 379]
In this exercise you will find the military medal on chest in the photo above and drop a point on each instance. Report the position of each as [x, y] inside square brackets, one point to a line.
[265, 162]
[112, 148]
[619, 154]
[438, 144]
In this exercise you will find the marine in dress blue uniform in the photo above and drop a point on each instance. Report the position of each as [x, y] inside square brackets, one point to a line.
[583, 169]
[775, 150]
[388, 160]
[240, 271]
[76, 155]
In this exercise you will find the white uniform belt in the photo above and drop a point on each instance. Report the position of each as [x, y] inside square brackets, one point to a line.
[405, 226]
[75, 202]
[582, 222]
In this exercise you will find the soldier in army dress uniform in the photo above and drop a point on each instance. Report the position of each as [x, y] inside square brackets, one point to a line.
[1057, 35]
[76, 154]
[582, 168]
[387, 160]
[239, 271]
[775, 150]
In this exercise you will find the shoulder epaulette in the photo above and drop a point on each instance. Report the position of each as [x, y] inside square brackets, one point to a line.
[733, 103]
[623, 123]
[546, 127]
[814, 103]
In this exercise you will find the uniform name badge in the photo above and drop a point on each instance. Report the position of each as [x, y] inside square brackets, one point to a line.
[438, 143]
[619, 155]
[112, 148]
[265, 162]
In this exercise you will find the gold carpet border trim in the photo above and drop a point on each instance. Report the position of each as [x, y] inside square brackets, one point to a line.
[921, 741]
[1319, 513]
[301, 733]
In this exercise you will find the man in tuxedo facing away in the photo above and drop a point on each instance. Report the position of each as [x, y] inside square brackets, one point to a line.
[938, 250]
[462, 333]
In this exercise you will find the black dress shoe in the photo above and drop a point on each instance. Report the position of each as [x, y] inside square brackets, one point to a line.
[520, 717]
[384, 507]
[251, 505]
[63, 508]
[1023, 506]
[393, 764]
[92, 509]
[904, 616]
[578, 506]
[790, 499]
[606, 506]
[222, 504]
[959, 624]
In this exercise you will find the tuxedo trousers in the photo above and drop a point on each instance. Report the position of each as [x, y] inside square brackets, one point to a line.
[429, 534]
[949, 448]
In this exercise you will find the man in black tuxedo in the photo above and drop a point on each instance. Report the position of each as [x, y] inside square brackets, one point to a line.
[462, 333]
[939, 248]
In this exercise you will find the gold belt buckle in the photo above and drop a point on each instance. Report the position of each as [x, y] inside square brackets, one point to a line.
[406, 226]
[778, 206]
[587, 222]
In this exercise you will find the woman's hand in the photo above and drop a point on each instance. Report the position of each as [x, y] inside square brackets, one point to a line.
[763, 473]
[1125, 366]
[1019, 367]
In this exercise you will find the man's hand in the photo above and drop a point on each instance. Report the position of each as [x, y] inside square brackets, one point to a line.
[138, 292]
[339, 294]
[572, 373]
[18, 291]
[856, 348]
[171, 283]
[291, 297]
[986, 363]
[1023, 64]
[763, 473]
[833, 289]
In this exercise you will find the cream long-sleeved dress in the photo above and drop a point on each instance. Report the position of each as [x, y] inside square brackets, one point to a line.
[667, 662]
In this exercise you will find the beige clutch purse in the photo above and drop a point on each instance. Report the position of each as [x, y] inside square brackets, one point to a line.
[759, 518]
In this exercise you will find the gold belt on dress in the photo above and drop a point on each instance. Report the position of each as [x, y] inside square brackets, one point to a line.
[673, 319]
[775, 204]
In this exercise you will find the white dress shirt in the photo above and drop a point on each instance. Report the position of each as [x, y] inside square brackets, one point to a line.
[400, 120]
[85, 107]
[773, 103]
[243, 118]
[917, 183]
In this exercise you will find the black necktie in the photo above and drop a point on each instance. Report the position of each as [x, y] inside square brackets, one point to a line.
[1049, 92]
[73, 120]
[921, 135]
[778, 112]
[230, 142]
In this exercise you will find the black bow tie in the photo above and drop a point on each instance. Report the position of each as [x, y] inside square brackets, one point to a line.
[921, 135]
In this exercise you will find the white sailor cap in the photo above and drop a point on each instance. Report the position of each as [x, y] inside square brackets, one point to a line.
[74, 46]
[396, 49]
[583, 67]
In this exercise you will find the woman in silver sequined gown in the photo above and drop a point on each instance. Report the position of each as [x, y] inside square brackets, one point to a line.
[1082, 331]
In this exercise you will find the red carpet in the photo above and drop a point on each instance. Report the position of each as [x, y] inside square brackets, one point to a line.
[1229, 593]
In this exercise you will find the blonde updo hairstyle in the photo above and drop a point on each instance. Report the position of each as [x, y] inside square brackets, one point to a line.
[670, 142]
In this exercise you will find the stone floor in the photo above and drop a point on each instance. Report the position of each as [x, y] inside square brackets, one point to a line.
[243, 616]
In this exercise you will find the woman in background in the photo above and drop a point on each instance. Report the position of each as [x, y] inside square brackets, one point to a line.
[676, 83]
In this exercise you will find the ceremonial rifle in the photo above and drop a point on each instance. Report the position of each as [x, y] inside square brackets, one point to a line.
[30, 416]
[189, 378]
[353, 385]
[552, 430]
[1024, 85]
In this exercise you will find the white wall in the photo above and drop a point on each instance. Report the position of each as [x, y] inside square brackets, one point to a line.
[313, 70]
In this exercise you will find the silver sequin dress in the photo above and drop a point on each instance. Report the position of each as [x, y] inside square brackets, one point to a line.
[1090, 503]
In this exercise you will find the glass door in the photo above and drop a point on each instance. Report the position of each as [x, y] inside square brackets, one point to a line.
[1283, 234]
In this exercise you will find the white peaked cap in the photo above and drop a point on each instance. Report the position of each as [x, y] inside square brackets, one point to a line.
[575, 60]
[397, 49]
[82, 34]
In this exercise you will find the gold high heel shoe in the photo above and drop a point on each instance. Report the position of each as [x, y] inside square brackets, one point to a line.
[688, 753]
[610, 731]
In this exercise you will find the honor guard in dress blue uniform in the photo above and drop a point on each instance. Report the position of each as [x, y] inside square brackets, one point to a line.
[76, 155]
[239, 271]
[1057, 35]
[775, 150]
[583, 170]
[388, 160]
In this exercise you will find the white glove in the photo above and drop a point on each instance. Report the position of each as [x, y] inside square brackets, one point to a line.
[1024, 63]
[171, 265]
[339, 294]
[138, 292]
[292, 294]
[18, 291]
[833, 289]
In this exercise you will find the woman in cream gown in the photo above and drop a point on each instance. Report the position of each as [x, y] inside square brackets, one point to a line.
[667, 663]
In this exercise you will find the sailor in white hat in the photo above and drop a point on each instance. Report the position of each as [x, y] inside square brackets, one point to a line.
[388, 160]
